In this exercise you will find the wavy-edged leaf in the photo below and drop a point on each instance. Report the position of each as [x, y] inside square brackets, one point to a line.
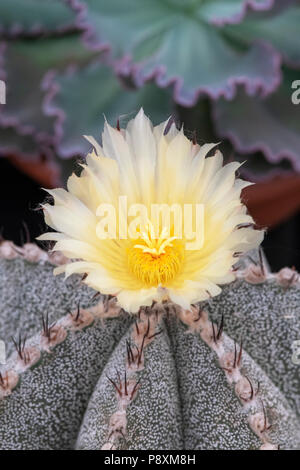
[255, 167]
[221, 12]
[84, 98]
[24, 65]
[177, 45]
[33, 17]
[270, 125]
[280, 29]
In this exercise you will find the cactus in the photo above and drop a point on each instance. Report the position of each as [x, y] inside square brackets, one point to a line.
[82, 374]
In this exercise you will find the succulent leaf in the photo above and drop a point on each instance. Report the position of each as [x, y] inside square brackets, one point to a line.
[35, 16]
[280, 27]
[31, 60]
[275, 123]
[79, 94]
[232, 12]
[178, 45]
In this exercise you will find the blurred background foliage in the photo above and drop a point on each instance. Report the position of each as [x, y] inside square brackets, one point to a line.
[222, 68]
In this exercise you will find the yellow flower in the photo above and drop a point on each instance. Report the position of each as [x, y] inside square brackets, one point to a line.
[150, 165]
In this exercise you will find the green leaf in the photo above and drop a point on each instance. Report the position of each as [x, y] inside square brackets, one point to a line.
[280, 29]
[26, 63]
[35, 16]
[178, 45]
[270, 125]
[85, 97]
[231, 11]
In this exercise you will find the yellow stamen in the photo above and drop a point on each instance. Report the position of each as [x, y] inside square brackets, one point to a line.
[155, 261]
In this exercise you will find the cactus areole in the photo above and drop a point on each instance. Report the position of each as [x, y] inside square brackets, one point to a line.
[160, 357]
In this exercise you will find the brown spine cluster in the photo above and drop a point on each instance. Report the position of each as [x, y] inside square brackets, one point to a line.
[143, 333]
[230, 361]
[28, 353]
[30, 252]
[256, 272]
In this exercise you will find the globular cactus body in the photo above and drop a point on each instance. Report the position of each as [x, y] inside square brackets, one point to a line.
[89, 376]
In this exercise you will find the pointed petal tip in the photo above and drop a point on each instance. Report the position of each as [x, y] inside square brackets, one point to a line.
[94, 143]
[40, 237]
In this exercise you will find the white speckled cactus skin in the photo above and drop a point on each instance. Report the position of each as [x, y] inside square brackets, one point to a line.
[170, 380]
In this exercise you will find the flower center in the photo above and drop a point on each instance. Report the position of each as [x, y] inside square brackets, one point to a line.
[155, 261]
